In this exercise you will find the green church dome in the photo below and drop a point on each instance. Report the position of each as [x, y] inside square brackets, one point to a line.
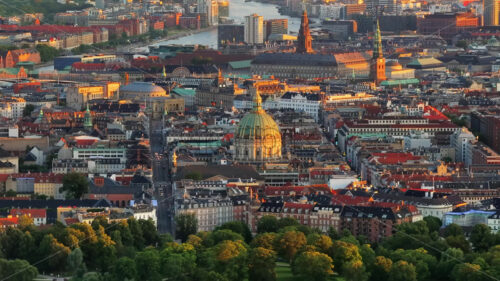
[257, 124]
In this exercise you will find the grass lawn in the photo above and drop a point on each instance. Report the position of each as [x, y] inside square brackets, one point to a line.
[284, 273]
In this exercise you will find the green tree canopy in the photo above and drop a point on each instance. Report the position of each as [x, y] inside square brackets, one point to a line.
[313, 266]
[267, 224]
[290, 242]
[261, 265]
[186, 224]
[75, 185]
[402, 271]
[17, 270]
[238, 227]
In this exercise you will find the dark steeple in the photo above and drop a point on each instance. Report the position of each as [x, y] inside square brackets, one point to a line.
[377, 42]
[304, 40]
[377, 64]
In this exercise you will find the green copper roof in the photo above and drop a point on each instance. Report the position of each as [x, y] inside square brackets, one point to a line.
[368, 135]
[87, 119]
[400, 82]
[257, 124]
[240, 64]
[377, 42]
[184, 92]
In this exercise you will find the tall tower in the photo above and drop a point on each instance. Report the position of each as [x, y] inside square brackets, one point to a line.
[304, 40]
[87, 119]
[254, 29]
[491, 12]
[377, 64]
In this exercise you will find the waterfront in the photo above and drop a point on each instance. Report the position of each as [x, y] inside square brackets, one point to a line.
[238, 9]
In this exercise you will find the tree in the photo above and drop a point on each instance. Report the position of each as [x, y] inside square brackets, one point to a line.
[481, 237]
[261, 265]
[230, 259]
[355, 271]
[381, 269]
[58, 253]
[424, 263]
[433, 223]
[453, 230]
[185, 224]
[238, 227]
[320, 241]
[265, 240]
[461, 44]
[459, 242]
[75, 185]
[468, 272]
[402, 271]
[149, 232]
[28, 109]
[75, 259]
[178, 262]
[136, 232]
[267, 224]
[148, 265]
[343, 253]
[218, 236]
[125, 269]
[47, 53]
[17, 270]
[314, 266]
[449, 259]
[285, 222]
[290, 243]
[194, 176]
[25, 221]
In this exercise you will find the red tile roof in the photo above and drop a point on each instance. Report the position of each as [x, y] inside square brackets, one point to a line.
[41, 177]
[6, 222]
[34, 213]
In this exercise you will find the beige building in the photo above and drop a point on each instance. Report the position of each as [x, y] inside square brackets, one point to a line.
[254, 29]
[78, 96]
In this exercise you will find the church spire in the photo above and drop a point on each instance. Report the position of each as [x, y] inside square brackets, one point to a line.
[304, 39]
[257, 102]
[377, 42]
[87, 119]
[377, 64]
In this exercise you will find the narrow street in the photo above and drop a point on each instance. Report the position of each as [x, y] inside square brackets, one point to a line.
[161, 177]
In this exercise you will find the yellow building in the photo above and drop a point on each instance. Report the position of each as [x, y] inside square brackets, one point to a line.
[78, 96]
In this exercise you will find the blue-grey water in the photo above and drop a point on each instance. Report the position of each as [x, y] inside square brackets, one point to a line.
[238, 9]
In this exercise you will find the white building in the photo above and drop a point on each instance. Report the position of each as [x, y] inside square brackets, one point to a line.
[254, 29]
[100, 152]
[439, 8]
[494, 222]
[209, 213]
[416, 140]
[331, 11]
[461, 140]
[145, 212]
[308, 103]
[12, 107]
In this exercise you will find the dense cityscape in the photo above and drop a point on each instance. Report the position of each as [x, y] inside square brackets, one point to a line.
[249, 140]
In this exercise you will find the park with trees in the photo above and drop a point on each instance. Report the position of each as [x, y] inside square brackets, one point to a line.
[282, 249]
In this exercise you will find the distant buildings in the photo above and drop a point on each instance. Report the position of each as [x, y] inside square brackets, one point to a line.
[275, 26]
[230, 34]
[447, 25]
[491, 12]
[254, 29]
[13, 57]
